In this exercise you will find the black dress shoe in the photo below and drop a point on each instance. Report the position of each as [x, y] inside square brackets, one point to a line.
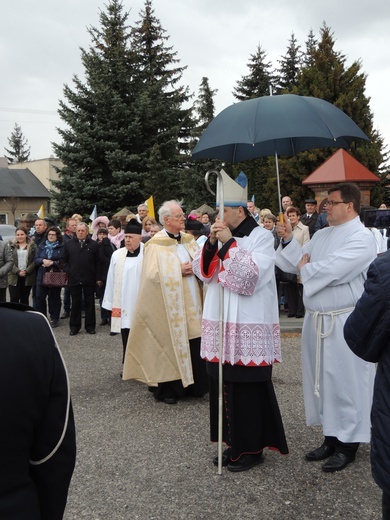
[169, 400]
[73, 332]
[225, 457]
[299, 316]
[245, 462]
[290, 315]
[321, 453]
[103, 322]
[113, 333]
[92, 331]
[337, 462]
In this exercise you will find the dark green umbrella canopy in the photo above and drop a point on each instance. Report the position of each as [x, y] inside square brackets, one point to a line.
[284, 125]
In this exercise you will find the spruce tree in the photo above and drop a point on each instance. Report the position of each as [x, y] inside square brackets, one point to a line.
[326, 76]
[100, 144]
[259, 80]
[257, 83]
[311, 45]
[290, 65]
[204, 110]
[18, 150]
[164, 124]
[323, 74]
[204, 105]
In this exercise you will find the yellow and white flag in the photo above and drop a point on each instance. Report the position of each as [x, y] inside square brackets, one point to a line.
[150, 205]
[41, 212]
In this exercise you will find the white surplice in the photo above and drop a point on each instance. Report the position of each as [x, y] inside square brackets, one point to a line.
[251, 319]
[131, 276]
[332, 283]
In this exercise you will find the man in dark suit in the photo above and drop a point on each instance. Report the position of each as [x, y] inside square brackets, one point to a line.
[310, 217]
[37, 436]
[80, 258]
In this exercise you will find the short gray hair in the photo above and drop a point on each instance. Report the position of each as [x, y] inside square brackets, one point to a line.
[165, 209]
[84, 225]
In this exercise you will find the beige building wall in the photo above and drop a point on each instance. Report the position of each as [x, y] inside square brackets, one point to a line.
[43, 169]
[16, 208]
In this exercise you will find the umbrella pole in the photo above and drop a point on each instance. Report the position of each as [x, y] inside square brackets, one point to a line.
[277, 176]
[220, 199]
[278, 184]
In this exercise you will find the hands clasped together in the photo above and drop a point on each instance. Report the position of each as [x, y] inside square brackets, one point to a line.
[186, 269]
[284, 231]
[219, 231]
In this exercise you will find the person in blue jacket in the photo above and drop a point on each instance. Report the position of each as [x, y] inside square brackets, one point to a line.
[367, 332]
[48, 258]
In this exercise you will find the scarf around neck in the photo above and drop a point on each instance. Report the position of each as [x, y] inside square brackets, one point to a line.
[49, 247]
[117, 239]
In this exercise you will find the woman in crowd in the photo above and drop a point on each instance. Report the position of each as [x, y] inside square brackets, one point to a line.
[47, 259]
[294, 291]
[98, 223]
[107, 248]
[262, 213]
[115, 233]
[155, 229]
[269, 222]
[147, 224]
[77, 217]
[21, 278]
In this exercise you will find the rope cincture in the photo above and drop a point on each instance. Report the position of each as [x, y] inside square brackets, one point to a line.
[67, 411]
[318, 321]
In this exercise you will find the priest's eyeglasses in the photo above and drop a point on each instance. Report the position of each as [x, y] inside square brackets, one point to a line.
[335, 202]
[178, 216]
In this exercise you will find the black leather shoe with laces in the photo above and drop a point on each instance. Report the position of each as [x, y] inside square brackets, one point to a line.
[337, 462]
[321, 453]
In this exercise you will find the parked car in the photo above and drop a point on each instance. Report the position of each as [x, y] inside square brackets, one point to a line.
[7, 232]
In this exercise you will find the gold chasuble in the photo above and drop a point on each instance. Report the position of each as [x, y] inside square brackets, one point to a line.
[168, 314]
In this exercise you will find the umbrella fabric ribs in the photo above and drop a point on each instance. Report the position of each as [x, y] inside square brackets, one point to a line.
[286, 125]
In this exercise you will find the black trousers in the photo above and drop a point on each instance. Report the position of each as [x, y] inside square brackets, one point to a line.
[66, 300]
[20, 292]
[125, 336]
[76, 294]
[53, 294]
[176, 389]
[348, 448]
[386, 505]
[294, 295]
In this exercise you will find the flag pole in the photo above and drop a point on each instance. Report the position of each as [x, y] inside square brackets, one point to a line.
[220, 200]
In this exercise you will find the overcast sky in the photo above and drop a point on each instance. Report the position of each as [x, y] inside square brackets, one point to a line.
[40, 41]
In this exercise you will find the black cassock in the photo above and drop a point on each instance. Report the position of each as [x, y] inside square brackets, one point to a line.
[37, 434]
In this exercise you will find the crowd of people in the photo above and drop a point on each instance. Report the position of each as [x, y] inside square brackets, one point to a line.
[159, 286]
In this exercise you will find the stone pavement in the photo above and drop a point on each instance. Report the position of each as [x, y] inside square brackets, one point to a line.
[141, 459]
[289, 324]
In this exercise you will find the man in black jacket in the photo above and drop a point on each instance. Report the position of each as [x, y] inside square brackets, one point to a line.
[37, 436]
[80, 258]
[309, 218]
